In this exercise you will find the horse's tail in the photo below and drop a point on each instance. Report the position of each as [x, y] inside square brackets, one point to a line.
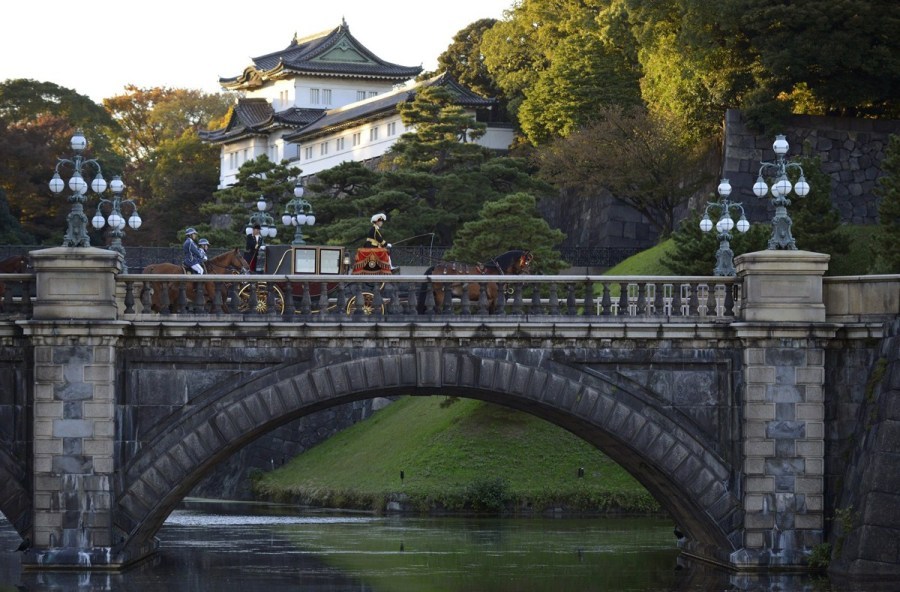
[422, 293]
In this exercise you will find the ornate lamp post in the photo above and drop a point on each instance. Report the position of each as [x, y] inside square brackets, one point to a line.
[116, 221]
[298, 212]
[76, 233]
[266, 222]
[781, 187]
[724, 256]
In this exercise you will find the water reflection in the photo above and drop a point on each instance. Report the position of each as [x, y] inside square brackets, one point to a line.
[239, 550]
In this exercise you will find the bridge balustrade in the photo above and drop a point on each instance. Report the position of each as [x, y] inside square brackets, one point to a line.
[326, 297]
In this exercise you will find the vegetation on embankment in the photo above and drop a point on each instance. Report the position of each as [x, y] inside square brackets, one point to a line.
[464, 456]
[854, 262]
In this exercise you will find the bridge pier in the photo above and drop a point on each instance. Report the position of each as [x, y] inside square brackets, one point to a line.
[783, 420]
[75, 334]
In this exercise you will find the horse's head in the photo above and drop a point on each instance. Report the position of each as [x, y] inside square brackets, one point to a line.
[239, 262]
[523, 263]
[15, 264]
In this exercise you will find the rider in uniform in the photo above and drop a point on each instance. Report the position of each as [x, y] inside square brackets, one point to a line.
[193, 255]
[204, 248]
[375, 239]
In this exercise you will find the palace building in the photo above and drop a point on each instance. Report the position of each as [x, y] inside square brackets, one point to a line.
[326, 99]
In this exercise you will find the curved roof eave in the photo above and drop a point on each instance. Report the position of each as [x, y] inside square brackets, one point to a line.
[336, 127]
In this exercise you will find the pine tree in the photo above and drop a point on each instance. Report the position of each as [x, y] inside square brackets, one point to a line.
[256, 178]
[695, 250]
[511, 222]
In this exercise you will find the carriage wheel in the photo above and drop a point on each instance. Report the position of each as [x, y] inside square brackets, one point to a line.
[262, 297]
[368, 306]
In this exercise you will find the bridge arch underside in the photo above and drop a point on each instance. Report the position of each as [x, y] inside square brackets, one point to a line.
[657, 443]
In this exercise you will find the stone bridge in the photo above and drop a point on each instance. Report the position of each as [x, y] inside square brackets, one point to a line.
[737, 402]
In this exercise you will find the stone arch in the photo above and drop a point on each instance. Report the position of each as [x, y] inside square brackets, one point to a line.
[15, 495]
[691, 481]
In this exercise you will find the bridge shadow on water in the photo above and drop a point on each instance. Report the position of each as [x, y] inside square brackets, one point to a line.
[231, 547]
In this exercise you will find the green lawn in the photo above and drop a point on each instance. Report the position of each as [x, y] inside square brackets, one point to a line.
[463, 456]
[646, 262]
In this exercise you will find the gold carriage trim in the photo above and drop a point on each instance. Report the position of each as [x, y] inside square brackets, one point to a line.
[372, 261]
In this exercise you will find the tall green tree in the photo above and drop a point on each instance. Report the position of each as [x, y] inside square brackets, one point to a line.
[558, 61]
[258, 178]
[511, 222]
[435, 178]
[637, 156]
[431, 182]
[338, 196]
[157, 118]
[586, 74]
[844, 53]
[816, 222]
[182, 179]
[464, 60]
[443, 136]
[693, 67]
[887, 236]
[37, 121]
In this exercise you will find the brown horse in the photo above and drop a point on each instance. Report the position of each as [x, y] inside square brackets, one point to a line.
[229, 262]
[515, 262]
[14, 264]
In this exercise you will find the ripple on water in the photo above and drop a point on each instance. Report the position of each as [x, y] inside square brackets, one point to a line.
[188, 518]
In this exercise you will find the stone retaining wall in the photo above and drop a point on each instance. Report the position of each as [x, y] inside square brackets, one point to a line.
[866, 533]
[851, 150]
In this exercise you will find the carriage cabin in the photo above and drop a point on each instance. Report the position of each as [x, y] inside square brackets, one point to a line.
[305, 260]
[326, 99]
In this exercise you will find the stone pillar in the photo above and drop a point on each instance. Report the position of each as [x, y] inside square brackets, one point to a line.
[783, 411]
[75, 333]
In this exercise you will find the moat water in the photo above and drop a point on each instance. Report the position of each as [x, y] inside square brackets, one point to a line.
[232, 548]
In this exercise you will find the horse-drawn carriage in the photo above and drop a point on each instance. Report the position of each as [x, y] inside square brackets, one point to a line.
[292, 260]
[369, 296]
[288, 290]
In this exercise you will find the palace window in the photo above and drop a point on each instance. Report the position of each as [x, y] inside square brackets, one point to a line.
[373, 134]
[323, 148]
[392, 128]
[308, 153]
[339, 144]
[360, 95]
[326, 96]
[373, 93]
[313, 96]
[357, 138]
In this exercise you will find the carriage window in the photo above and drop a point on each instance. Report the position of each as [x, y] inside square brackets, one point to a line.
[304, 261]
[331, 261]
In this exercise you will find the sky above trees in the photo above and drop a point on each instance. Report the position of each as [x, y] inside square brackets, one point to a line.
[101, 47]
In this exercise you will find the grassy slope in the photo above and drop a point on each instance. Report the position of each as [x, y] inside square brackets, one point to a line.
[445, 453]
[853, 263]
[646, 262]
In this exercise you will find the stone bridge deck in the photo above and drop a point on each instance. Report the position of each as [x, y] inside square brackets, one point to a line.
[713, 392]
